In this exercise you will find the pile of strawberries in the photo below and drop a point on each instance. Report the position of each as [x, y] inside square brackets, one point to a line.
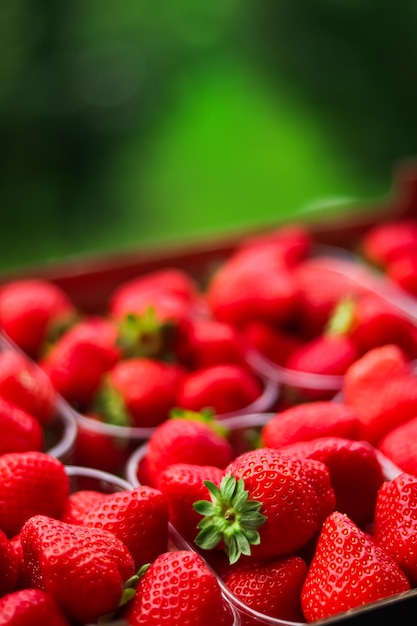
[306, 517]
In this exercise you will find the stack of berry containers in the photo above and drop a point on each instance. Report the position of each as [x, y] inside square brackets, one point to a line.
[102, 330]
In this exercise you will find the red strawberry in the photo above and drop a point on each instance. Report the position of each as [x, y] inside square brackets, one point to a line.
[400, 446]
[348, 570]
[396, 522]
[182, 484]
[79, 504]
[223, 388]
[24, 384]
[78, 361]
[31, 310]
[188, 438]
[403, 271]
[272, 342]
[355, 472]
[98, 448]
[204, 342]
[383, 242]
[289, 498]
[10, 565]
[308, 421]
[139, 392]
[30, 606]
[138, 517]
[30, 483]
[20, 431]
[289, 244]
[381, 388]
[178, 589]
[273, 588]
[84, 569]
[253, 284]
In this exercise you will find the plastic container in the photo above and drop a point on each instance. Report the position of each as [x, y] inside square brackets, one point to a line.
[109, 446]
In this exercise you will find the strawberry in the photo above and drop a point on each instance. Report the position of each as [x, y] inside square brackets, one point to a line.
[355, 472]
[84, 569]
[253, 284]
[403, 272]
[138, 517]
[78, 361]
[287, 498]
[223, 388]
[400, 446]
[139, 392]
[182, 484]
[272, 588]
[79, 504]
[384, 242]
[308, 421]
[96, 447]
[24, 384]
[381, 388]
[32, 310]
[396, 522]
[289, 244]
[178, 589]
[20, 431]
[348, 570]
[30, 483]
[30, 606]
[272, 342]
[10, 565]
[187, 438]
[204, 342]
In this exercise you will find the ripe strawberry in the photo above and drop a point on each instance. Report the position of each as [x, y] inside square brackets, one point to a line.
[400, 446]
[253, 284]
[348, 570]
[10, 564]
[139, 392]
[182, 484]
[77, 362]
[31, 310]
[20, 431]
[204, 342]
[84, 569]
[30, 606]
[403, 272]
[273, 588]
[223, 388]
[381, 388]
[178, 589]
[24, 384]
[289, 244]
[79, 504]
[382, 243]
[288, 498]
[187, 438]
[271, 341]
[355, 472]
[30, 483]
[396, 522]
[308, 421]
[138, 517]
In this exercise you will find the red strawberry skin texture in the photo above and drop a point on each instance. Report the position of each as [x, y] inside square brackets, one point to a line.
[28, 309]
[138, 517]
[308, 421]
[355, 472]
[395, 527]
[30, 607]
[82, 568]
[30, 483]
[178, 589]
[181, 440]
[10, 565]
[296, 494]
[347, 570]
[20, 431]
[400, 446]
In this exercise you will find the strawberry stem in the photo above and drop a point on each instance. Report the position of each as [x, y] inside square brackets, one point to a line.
[229, 517]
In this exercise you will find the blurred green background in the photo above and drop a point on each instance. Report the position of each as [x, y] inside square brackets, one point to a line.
[136, 123]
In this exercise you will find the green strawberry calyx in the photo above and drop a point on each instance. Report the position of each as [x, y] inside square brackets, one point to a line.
[144, 335]
[229, 517]
[342, 320]
[206, 415]
[109, 404]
